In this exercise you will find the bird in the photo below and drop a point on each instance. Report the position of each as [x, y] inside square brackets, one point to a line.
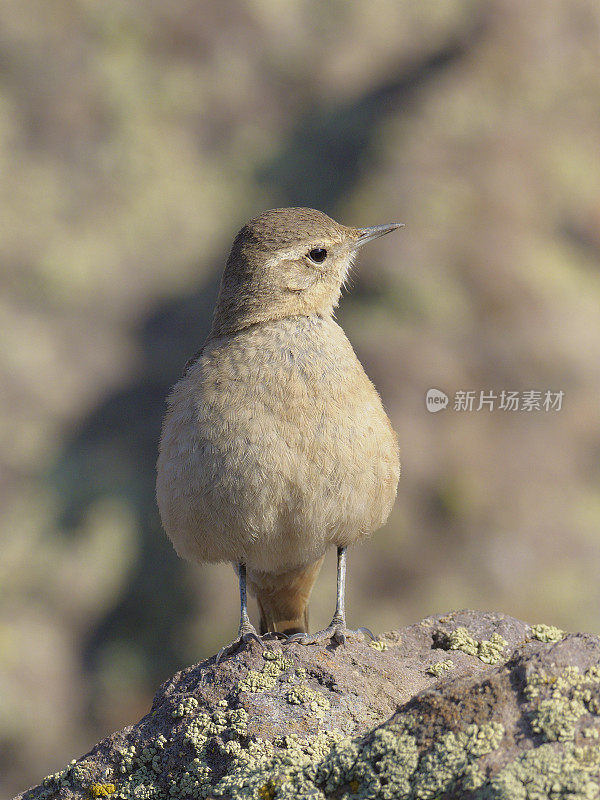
[275, 446]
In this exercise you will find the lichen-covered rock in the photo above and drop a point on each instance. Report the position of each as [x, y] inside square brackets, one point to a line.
[512, 715]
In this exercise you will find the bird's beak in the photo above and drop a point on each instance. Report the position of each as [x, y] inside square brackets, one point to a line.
[368, 234]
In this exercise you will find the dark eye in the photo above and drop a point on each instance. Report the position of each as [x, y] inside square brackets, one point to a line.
[318, 255]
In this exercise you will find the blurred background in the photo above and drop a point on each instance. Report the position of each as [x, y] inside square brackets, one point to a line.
[135, 139]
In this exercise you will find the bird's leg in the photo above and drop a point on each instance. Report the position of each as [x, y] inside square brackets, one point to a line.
[247, 631]
[337, 630]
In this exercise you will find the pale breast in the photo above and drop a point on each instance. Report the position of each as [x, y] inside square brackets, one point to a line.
[275, 446]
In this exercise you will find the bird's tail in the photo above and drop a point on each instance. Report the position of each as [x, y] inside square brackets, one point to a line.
[283, 598]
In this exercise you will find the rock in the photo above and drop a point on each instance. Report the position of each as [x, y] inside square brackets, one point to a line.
[463, 705]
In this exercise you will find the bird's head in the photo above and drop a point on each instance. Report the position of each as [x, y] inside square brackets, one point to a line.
[287, 262]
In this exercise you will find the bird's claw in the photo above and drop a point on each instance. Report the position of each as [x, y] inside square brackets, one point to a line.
[367, 632]
[336, 632]
[247, 634]
[274, 635]
[245, 637]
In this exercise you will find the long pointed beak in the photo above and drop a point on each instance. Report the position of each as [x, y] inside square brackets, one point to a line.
[368, 234]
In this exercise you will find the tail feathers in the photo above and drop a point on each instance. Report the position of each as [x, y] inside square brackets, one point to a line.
[283, 598]
[270, 621]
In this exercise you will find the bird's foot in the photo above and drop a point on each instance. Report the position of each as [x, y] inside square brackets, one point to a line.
[336, 632]
[246, 634]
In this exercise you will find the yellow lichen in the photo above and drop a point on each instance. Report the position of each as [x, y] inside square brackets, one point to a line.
[488, 650]
[560, 701]
[271, 655]
[268, 791]
[440, 667]
[547, 633]
[548, 772]
[186, 706]
[102, 789]
[267, 677]
[378, 645]
[301, 693]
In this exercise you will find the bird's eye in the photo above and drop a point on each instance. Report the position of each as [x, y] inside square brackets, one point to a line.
[318, 255]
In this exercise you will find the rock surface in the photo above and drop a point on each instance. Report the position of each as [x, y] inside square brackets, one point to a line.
[463, 705]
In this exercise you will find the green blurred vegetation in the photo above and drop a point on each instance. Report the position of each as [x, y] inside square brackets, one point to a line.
[135, 139]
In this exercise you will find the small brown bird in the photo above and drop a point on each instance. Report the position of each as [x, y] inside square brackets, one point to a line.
[275, 445]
